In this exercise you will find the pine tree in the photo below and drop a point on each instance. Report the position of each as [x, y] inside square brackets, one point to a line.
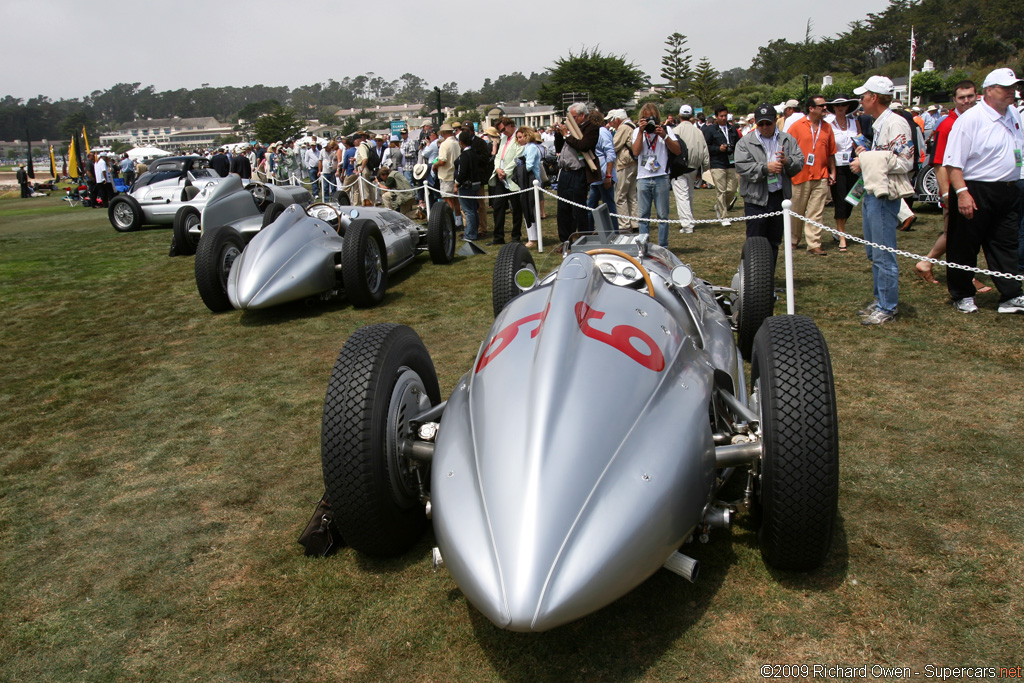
[705, 86]
[675, 65]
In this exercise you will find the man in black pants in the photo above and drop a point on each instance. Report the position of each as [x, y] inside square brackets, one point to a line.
[766, 160]
[502, 183]
[984, 161]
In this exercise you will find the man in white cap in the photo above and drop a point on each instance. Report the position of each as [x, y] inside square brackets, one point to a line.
[699, 161]
[985, 162]
[791, 113]
[885, 168]
[625, 167]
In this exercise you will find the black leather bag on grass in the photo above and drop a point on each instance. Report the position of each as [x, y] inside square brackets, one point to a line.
[321, 536]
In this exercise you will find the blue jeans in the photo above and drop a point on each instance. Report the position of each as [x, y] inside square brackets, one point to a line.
[314, 175]
[880, 223]
[468, 201]
[654, 191]
[598, 193]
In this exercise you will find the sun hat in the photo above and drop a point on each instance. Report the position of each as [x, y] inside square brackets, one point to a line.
[419, 171]
[843, 99]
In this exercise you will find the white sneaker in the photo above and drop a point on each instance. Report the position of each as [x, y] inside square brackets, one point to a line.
[726, 223]
[1014, 305]
[966, 305]
[686, 229]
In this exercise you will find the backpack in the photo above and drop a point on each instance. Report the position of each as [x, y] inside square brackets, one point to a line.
[678, 164]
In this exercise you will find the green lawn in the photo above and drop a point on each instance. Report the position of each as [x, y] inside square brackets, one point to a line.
[158, 462]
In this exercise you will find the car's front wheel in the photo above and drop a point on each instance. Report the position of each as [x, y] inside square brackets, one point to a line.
[756, 300]
[364, 267]
[382, 379]
[512, 258]
[186, 230]
[441, 234]
[125, 213]
[217, 251]
[795, 395]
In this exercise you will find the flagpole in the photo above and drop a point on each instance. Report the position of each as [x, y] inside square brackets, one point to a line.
[910, 72]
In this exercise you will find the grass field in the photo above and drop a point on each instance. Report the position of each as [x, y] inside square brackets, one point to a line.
[158, 462]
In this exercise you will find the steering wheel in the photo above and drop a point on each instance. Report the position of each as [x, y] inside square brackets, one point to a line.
[624, 255]
[326, 213]
[259, 193]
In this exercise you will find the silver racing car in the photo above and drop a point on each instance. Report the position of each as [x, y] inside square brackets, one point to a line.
[323, 251]
[593, 437]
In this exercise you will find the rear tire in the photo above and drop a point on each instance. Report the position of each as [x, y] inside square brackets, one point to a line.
[512, 258]
[218, 249]
[756, 300]
[383, 377]
[272, 213]
[364, 266]
[441, 234]
[341, 198]
[185, 219]
[799, 484]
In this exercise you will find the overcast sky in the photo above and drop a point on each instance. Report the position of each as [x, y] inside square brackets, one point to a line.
[185, 43]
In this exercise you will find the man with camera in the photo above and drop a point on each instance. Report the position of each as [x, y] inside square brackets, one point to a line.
[721, 137]
[652, 143]
[574, 173]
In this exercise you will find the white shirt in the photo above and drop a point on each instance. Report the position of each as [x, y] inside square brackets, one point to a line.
[793, 118]
[982, 144]
[659, 165]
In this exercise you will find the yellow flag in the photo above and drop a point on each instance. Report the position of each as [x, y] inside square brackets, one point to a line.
[86, 138]
[72, 160]
[53, 164]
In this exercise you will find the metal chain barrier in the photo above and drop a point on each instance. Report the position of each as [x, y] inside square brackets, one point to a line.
[907, 254]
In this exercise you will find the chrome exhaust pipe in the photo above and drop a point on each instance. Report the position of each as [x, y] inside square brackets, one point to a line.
[684, 566]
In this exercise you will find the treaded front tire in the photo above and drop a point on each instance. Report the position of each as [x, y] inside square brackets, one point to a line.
[756, 291]
[441, 234]
[218, 248]
[799, 483]
[272, 213]
[512, 258]
[364, 266]
[125, 213]
[383, 377]
[185, 219]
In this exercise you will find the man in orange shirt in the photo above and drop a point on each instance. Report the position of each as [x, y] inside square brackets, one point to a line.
[810, 185]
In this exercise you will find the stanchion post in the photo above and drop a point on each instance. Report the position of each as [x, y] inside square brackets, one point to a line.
[426, 198]
[787, 235]
[536, 215]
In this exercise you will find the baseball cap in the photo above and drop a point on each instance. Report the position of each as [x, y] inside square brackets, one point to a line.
[791, 103]
[617, 114]
[686, 110]
[1003, 77]
[880, 85]
[764, 112]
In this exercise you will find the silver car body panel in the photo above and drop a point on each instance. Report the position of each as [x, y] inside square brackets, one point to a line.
[296, 256]
[161, 200]
[577, 455]
[232, 203]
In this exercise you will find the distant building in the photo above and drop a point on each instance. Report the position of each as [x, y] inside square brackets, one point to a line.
[172, 133]
[537, 116]
[387, 112]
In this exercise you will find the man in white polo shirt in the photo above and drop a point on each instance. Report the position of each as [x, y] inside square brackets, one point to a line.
[985, 160]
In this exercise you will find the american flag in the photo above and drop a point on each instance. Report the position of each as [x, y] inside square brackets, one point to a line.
[913, 45]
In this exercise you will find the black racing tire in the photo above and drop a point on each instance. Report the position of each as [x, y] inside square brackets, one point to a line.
[756, 300]
[364, 263]
[512, 258]
[125, 213]
[383, 377]
[341, 198]
[218, 248]
[273, 211]
[185, 219]
[441, 234]
[189, 192]
[798, 495]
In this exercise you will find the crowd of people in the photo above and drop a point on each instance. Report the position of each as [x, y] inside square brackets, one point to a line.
[846, 151]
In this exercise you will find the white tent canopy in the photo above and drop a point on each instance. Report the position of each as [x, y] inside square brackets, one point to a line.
[146, 153]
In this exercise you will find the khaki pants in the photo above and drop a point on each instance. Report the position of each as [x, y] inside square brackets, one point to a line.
[726, 182]
[809, 200]
[683, 189]
[625, 196]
